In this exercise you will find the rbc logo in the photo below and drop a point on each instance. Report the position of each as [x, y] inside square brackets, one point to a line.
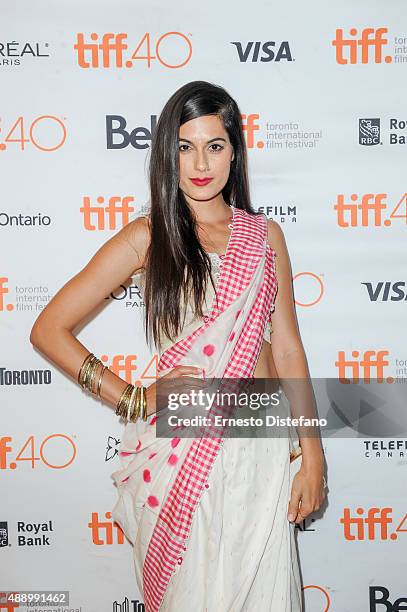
[369, 132]
[3, 534]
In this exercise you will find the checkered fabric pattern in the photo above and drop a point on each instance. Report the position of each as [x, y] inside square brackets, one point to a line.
[247, 246]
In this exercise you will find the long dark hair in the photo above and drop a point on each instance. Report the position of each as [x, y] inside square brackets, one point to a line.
[175, 259]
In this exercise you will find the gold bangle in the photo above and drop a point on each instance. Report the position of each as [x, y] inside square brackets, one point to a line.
[84, 368]
[125, 402]
[144, 400]
[136, 409]
[104, 368]
[131, 400]
[92, 372]
[87, 372]
[121, 408]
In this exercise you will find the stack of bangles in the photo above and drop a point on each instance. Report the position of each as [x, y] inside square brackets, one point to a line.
[132, 402]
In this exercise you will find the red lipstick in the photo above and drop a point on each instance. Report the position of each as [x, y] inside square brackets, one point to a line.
[201, 182]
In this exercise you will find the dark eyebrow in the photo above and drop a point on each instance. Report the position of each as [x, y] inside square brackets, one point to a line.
[211, 140]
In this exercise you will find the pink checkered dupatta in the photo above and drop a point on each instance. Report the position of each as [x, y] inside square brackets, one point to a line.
[162, 480]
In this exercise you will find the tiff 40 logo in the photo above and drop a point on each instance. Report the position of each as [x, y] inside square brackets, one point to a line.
[56, 451]
[371, 524]
[171, 50]
[370, 209]
[45, 133]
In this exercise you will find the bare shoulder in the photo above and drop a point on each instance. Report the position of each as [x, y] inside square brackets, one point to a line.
[275, 236]
[138, 235]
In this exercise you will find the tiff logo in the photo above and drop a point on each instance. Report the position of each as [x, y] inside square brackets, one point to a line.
[374, 526]
[358, 213]
[105, 528]
[355, 50]
[372, 363]
[116, 212]
[111, 43]
[3, 291]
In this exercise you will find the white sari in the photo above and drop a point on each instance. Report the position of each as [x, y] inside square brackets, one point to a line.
[207, 517]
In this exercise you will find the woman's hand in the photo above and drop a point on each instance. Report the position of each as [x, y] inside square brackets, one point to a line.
[308, 491]
[180, 379]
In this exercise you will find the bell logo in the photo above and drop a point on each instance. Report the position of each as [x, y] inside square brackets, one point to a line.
[105, 528]
[380, 595]
[356, 50]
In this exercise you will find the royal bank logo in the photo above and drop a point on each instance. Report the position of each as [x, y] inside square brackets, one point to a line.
[3, 534]
[369, 132]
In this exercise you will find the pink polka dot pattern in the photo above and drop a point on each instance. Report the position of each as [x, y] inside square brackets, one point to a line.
[124, 454]
[153, 420]
[125, 479]
[232, 335]
[175, 442]
[146, 475]
[172, 459]
[138, 446]
[152, 455]
[208, 350]
[152, 501]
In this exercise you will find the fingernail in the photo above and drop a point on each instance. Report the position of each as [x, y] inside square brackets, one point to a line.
[291, 517]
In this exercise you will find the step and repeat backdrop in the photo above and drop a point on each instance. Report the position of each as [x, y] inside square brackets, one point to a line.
[322, 90]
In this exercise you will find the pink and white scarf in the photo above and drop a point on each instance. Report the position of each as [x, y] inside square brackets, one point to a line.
[162, 480]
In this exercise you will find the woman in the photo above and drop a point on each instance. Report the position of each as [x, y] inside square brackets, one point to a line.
[207, 515]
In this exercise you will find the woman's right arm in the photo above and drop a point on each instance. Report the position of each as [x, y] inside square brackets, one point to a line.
[113, 264]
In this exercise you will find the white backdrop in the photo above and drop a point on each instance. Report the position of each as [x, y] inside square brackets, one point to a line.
[325, 124]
